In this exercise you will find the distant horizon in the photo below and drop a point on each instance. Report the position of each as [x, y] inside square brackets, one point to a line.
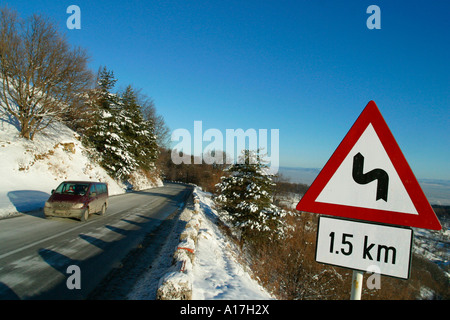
[319, 169]
[437, 191]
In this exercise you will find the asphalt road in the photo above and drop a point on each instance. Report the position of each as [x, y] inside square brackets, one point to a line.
[36, 253]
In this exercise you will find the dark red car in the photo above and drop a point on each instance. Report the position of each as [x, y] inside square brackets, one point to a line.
[77, 199]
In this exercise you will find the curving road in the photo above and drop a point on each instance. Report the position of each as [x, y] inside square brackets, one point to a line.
[36, 253]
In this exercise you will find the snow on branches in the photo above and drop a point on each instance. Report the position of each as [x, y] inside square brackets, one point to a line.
[124, 139]
[245, 199]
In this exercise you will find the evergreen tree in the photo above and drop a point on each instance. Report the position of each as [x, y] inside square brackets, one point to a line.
[125, 140]
[245, 196]
[138, 132]
[107, 133]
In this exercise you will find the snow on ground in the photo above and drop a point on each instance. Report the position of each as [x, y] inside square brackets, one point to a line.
[217, 273]
[434, 246]
[29, 170]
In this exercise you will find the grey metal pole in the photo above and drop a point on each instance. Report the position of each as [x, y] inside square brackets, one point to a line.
[357, 283]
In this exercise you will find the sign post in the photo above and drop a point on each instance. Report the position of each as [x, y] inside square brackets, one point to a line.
[357, 283]
[367, 178]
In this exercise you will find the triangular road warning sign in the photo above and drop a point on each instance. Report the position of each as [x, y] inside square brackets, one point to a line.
[368, 178]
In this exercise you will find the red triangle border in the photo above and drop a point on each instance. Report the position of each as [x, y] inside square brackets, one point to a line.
[426, 217]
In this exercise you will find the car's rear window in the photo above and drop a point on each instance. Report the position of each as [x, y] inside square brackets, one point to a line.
[79, 189]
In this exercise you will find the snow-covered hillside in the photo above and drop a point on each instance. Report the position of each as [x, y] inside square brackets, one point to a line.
[29, 170]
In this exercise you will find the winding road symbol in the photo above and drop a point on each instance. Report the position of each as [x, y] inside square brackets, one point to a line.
[376, 174]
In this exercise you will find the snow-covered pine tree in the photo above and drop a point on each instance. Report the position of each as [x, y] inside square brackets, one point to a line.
[245, 196]
[107, 134]
[138, 131]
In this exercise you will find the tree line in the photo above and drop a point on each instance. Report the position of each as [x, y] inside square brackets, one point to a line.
[44, 80]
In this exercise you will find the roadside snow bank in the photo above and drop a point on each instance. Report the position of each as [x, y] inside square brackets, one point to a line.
[204, 265]
[217, 274]
[29, 170]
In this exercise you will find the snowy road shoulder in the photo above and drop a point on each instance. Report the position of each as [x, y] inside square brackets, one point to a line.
[217, 274]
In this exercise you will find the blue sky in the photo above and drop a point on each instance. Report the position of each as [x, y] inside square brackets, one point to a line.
[307, 68]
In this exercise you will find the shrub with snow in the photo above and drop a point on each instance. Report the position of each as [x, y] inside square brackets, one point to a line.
[245, 199]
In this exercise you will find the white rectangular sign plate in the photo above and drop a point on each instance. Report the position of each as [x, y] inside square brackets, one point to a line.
[364, 246]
